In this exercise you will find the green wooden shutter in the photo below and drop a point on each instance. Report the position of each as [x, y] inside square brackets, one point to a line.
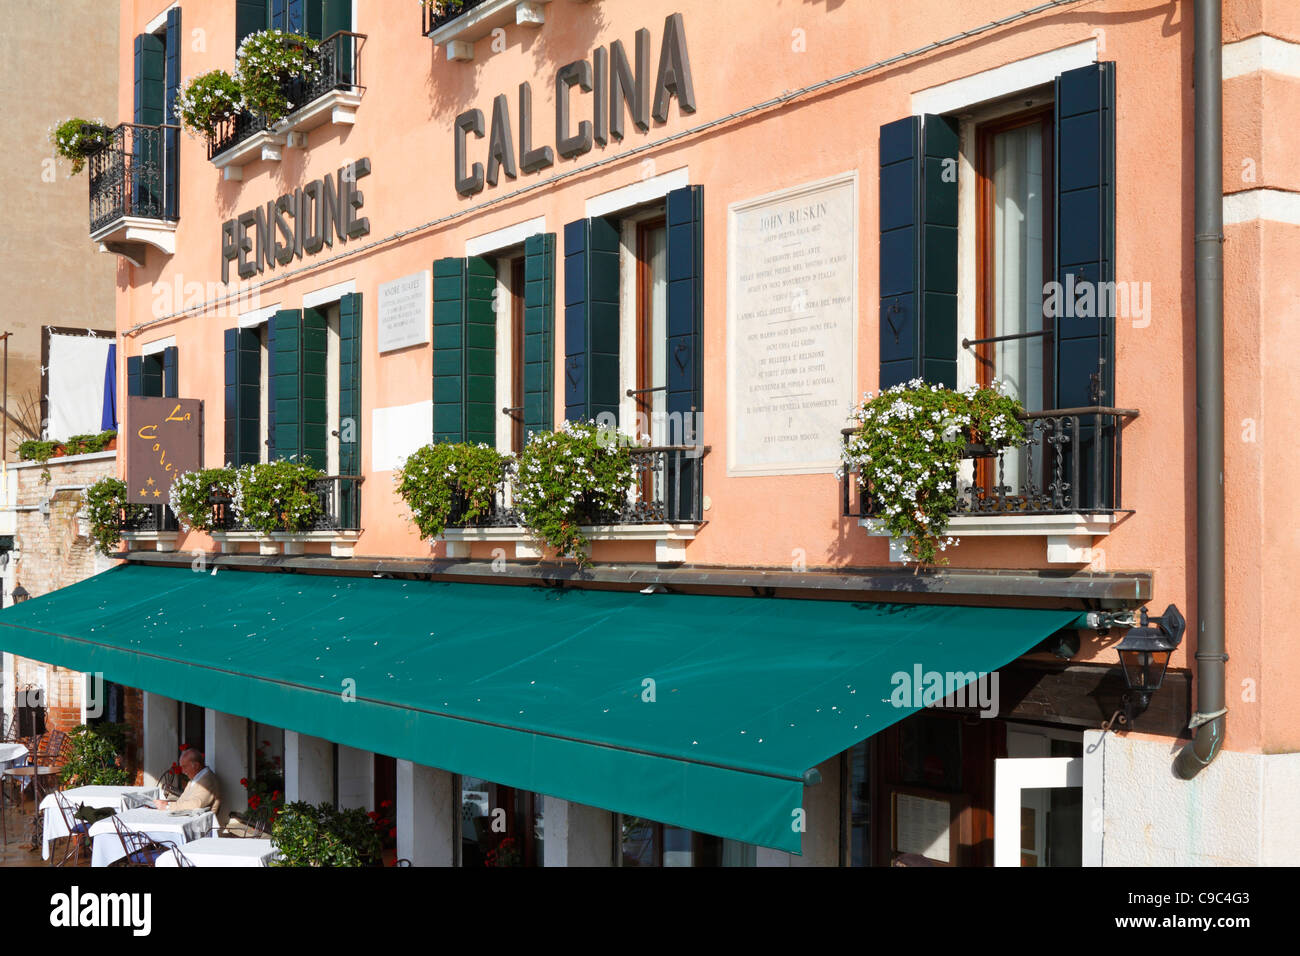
[134, 375]
[170, 373]
[251, 16]
[918, 251]
[243, 366]
[149, 100]
[539, 332]
[299, 386]
[480, 351]
[448, 350]
[685, 332]
[171, 137]
[1085, 259]
[591, 318]
[350, 384]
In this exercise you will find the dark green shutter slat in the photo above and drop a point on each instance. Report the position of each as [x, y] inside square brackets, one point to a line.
[1085, 256]
[171, 137]
[918, 251]
[685, 361]
[350, 384]
[539, 332]
[134, 375]
[448, 350]
[480, 351]
[146, 151]
[314, 390]
[243, 360]
[250, 17]
[314, 19]
[285, 382]
[591, 319]
[170, 372]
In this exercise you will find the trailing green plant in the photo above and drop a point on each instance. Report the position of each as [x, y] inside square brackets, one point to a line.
[95, 756]
[77, 139]
[105, 504]
[267, 62]
[440, 480]
[34, 449]
[444, 9]
[908, 446]
[191, 496]
[89, 444]
[276, 496]
[208, 100]
[323, 835]
[569, 477]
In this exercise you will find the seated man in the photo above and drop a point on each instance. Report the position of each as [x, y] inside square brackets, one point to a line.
[201, 792]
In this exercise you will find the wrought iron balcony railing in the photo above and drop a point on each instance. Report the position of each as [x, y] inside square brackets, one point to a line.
[133, 175]
[144, 519]
[667, 489]
[1071, 464]
[339, 58]
[340, 507]
[439, 15]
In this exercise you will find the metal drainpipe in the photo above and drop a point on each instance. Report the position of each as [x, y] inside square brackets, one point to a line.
[1208, 721]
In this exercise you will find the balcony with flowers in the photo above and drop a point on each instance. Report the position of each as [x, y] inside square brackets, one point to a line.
[283, 87]
[455, 25]
[565, 490]
[926, 466]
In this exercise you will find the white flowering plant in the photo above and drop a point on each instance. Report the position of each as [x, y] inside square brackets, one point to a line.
[569, 477]
[266, 63]
[276, 496]
[77, 139]
[192, 492]
[907, 448]
[444, 9]
[208, 100]
[449, 479]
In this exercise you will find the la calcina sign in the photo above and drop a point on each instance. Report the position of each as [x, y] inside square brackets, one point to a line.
[296, 224]
[618, 87]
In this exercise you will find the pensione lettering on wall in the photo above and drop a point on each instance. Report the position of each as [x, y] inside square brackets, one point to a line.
[621, 87]
[296, 224]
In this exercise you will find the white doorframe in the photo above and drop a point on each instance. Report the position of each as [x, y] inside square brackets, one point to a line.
[1010, 776]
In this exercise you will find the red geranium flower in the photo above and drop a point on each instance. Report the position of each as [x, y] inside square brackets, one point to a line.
[393, 832]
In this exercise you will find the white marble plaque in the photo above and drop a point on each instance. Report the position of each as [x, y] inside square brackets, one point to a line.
[792, 282]
[405, 306]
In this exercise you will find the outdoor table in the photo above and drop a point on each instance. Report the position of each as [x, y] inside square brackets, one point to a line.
[9, 752]
[177, 826]
[224, 851]
[119, 798]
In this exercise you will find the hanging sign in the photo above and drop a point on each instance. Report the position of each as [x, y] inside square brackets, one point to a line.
[164, 439]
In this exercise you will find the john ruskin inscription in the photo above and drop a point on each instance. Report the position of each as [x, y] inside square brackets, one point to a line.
[298, 223]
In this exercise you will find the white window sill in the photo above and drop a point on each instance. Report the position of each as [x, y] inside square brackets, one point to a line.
[342, 543]
[1069, 536]
[458, 36]
[337, 107]
[670, 539]
[161, 540]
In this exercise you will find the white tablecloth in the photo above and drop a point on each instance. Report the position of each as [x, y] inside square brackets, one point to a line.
[119, 798]
[178, 827]
[218, 851]
[10, 753]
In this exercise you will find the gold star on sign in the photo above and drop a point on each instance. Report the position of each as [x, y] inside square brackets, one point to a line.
[149, 482]
[144, 492]
[156, 492]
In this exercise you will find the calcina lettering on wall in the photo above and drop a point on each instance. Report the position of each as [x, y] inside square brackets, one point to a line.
[298, 223]
[620, 86]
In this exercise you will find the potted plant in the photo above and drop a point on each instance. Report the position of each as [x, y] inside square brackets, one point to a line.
[191, 496]
[276, 496]
[323, 835]
[106, 505]
[208, 100]
[77, 139]
[95, 756]
[448, 481]
[908, 445]
[266, 789]
[570, 476]
[444, 11]
[268, 64]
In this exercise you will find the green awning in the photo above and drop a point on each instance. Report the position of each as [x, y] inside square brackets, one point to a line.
[533, 687]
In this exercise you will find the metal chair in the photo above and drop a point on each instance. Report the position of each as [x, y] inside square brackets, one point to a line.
[246, 830]
[78, 830]
[169, 784]
[140, 849]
